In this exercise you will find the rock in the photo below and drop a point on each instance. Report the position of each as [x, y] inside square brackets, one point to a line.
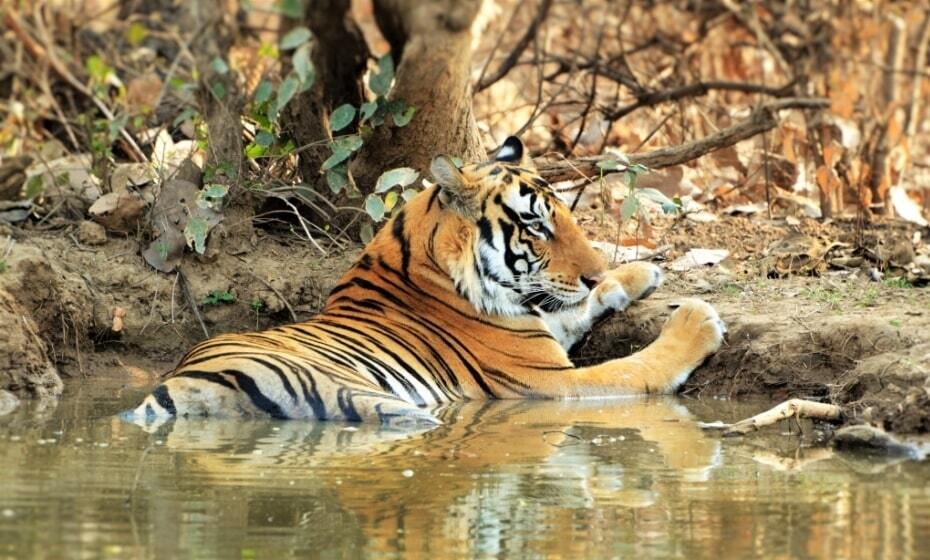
[92, 233]
[8, 402]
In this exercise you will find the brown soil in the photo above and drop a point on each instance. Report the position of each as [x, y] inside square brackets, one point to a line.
[841, 337]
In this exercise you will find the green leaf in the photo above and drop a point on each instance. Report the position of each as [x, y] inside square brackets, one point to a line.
[97, 68]
[254, 150]
[365, 232]
[367, 110]
[196, 233]
[34, 186]
[268, 50]
[374, 206]
[214, 190]
[350, 142]
[629, 207]
[286, 92]
[219, 90]
[295, 38]
[264, 138]
[401, 176]
[403, 118]
[610, 165]
[339, 156]
[263, 92]
[341, 117]
[303, 67]
[290, 8]
[408, 194]
[219, 66]
[136, 34]
[219, 296]
[337, 178]
[390, 200]
[380, 82]
[655, 195]
[187, 113]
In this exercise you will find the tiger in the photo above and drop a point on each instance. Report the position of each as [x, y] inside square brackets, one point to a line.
[477, 288]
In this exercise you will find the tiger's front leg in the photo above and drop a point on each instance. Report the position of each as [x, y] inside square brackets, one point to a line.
[620, 286]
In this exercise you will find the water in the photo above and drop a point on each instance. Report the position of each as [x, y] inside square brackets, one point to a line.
[519, 480]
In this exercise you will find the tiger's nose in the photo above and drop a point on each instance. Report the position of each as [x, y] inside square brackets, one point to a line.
[592, 281]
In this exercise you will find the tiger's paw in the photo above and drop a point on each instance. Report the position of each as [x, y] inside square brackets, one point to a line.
[694, 331]
[611, 296]
[695, 328]
[639, 279]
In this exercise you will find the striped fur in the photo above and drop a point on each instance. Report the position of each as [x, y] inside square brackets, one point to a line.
[475, 290]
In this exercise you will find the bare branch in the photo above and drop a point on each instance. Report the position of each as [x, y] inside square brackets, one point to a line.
[763, 118]
[511, 59]
[696, 90]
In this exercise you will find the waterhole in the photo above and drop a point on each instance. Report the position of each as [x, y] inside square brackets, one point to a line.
[504, 479]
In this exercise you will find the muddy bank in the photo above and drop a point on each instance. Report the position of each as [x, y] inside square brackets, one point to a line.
[860, 344]
[67, 305]
[70, 307]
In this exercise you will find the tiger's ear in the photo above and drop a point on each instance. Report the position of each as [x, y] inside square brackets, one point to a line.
[513, 151]
[456, 190]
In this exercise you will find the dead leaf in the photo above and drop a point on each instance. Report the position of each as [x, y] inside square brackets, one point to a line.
[175, 206]
[118, 315]
[118, 212]
[906, 207]
[696, 258]
[143, 93]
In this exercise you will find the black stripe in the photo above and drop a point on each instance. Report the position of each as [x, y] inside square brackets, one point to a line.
[432, 198]
[311, 395]
[250, 388]
[344, 399]
[210, 376]
[164, 400]
[397, 229]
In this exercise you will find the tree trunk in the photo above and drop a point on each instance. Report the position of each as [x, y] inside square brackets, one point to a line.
[431, 45]
[339, 56]
[213, 29]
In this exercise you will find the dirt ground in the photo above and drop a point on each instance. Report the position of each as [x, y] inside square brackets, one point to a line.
[807, 315]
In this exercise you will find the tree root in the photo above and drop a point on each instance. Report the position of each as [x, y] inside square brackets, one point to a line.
[797, 408]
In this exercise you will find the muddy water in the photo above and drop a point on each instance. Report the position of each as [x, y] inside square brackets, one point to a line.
[519, 480]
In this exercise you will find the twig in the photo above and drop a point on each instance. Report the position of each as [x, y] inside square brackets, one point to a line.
[763, 118]
[511, 59]
[303, 225]
[696, 89]
[40, 52]
[186, 288]
[276, 292]
[923, 44]
[796, 408]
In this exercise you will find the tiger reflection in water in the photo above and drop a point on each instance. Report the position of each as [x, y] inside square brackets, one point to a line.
[475, 469]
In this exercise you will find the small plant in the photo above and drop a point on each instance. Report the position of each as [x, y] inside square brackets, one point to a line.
[217, 297]
[256, 305]
[833, 298]
[3, 266]
[895, 323]
[898, 282]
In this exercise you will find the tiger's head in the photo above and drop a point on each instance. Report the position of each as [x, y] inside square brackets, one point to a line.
[518, 246]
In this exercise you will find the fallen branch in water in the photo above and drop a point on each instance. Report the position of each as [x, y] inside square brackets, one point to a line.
[797, 408]
[763, 118]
